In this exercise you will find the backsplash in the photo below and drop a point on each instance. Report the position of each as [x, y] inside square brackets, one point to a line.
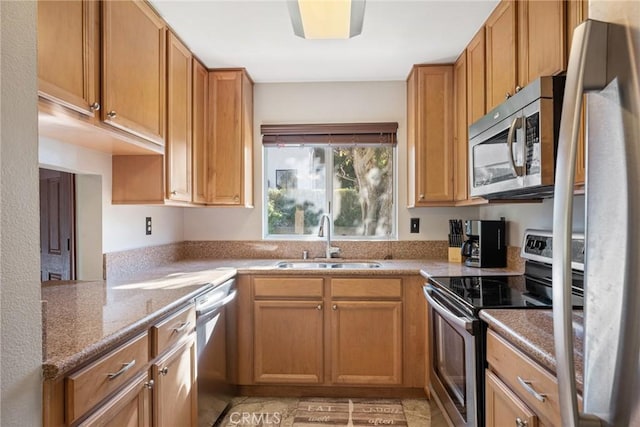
[123, 263]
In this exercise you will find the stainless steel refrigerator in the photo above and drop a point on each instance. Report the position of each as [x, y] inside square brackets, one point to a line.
[604, 63]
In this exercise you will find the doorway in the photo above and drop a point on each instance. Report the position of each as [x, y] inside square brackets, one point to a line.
[57, 225]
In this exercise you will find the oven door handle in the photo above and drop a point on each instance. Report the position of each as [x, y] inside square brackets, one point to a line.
[464, 323]
[517, 123]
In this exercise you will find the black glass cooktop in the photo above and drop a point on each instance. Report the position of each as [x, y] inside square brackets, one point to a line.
[478, 292]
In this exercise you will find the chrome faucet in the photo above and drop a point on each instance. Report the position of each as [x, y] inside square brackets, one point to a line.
[331, 251]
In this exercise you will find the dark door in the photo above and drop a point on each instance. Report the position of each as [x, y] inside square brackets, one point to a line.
[56, 225]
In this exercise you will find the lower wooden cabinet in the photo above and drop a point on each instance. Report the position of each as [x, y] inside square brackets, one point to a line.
[288, 342]
[130, 407]
[503, 407]
[366, 342]
[175, 400]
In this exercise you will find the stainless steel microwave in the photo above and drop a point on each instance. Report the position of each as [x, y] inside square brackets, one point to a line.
[512, 149]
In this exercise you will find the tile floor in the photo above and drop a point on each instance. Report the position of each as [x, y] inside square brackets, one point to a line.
[281, 412]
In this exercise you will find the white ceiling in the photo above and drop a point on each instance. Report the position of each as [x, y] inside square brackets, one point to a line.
[257, 35]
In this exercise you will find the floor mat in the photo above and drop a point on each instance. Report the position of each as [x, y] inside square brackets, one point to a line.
[349, 412]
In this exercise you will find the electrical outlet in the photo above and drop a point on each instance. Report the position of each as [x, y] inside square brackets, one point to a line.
[415, 225]
[148, 226]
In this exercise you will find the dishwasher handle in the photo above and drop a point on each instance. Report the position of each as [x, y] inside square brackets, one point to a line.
[214, 305]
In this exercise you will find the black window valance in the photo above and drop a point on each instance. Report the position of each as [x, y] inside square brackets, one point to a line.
[330, 133]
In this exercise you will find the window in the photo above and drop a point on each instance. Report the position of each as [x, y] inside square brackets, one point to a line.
[349, 174]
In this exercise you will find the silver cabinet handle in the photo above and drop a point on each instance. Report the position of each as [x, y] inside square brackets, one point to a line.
[95, 106]
[112, 114]
[334, 307]
[181, 328]
[164, 371]
[521, 423]
[149, 384]
[527, 386]
[125, 368]
[517, 123]
[319, 307]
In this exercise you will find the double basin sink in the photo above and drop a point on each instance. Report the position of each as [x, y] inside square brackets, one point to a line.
[328, 264]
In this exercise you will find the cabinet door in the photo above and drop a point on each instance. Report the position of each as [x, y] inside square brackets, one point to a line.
[541, 35]
[431, 145]
[175, 399]
[133, 69]
[227, 137]
[366, 342]
[460, 129]
[68, 53]
[199, 131]
[288, 341]
[130, 407]
[476, 99]
[503, 407]
[178, 148]
[502, 72]
[576, 13]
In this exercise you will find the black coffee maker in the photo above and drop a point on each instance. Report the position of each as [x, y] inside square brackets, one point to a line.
[486, 243]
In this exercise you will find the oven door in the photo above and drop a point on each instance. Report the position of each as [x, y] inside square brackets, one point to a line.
[453, 346]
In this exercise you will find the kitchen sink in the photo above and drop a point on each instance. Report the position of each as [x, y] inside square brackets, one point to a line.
[328, 264]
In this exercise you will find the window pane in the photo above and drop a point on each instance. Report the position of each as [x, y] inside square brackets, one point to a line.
[363, 191]
[296, 189]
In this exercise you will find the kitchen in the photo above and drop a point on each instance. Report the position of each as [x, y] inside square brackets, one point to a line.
[121, 224]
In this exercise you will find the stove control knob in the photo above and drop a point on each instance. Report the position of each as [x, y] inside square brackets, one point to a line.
[540, 245]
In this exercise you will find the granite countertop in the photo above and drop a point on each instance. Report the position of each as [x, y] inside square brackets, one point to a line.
[531, 331]
[82, 320]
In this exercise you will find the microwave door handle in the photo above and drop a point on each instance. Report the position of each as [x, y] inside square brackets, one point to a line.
[517, 123]
[586, 71]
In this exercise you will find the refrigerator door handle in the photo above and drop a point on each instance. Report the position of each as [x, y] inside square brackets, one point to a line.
[586, 71]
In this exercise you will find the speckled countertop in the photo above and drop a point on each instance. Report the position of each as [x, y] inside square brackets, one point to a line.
[82, 320]
[532, 332]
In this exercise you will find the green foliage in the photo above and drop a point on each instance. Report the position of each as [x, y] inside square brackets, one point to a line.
[350, 209]
[281, 213]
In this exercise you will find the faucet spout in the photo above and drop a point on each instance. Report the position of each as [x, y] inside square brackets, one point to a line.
[330, 251]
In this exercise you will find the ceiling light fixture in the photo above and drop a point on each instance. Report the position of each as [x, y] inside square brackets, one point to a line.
[326, 19]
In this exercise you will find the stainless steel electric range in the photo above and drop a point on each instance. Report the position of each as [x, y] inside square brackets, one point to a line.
[457, 335]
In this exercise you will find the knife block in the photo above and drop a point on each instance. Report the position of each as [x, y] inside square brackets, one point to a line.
[455, 255]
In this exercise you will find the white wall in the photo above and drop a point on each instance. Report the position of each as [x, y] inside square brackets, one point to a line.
[20, 309]
[323, 103]
[122, 225]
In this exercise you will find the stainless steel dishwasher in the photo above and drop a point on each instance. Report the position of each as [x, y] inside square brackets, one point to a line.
[215, 330]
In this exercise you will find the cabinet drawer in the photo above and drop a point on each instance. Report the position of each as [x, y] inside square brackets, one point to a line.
[92, 384]
[287, 287]
[512, 366]
[167, 332]
[366, 288]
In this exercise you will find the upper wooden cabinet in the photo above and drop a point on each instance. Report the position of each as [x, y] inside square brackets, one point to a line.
[179, 120]
[502, 59]
[230, 138]
[476, 94]
[133, 69]
[69, 54]
[460, 128]
[541, 38]
[200, 112]
[430, 135]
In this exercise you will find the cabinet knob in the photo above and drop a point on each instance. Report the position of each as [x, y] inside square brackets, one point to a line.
[421, 196]
[236, 198]
[112, 114]
[164, 371]
[319, 307]
[507, 95]
[173, 193]
[521, 423]
[334, 307]
[149, 384]
[518, 88]
[95, 106]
